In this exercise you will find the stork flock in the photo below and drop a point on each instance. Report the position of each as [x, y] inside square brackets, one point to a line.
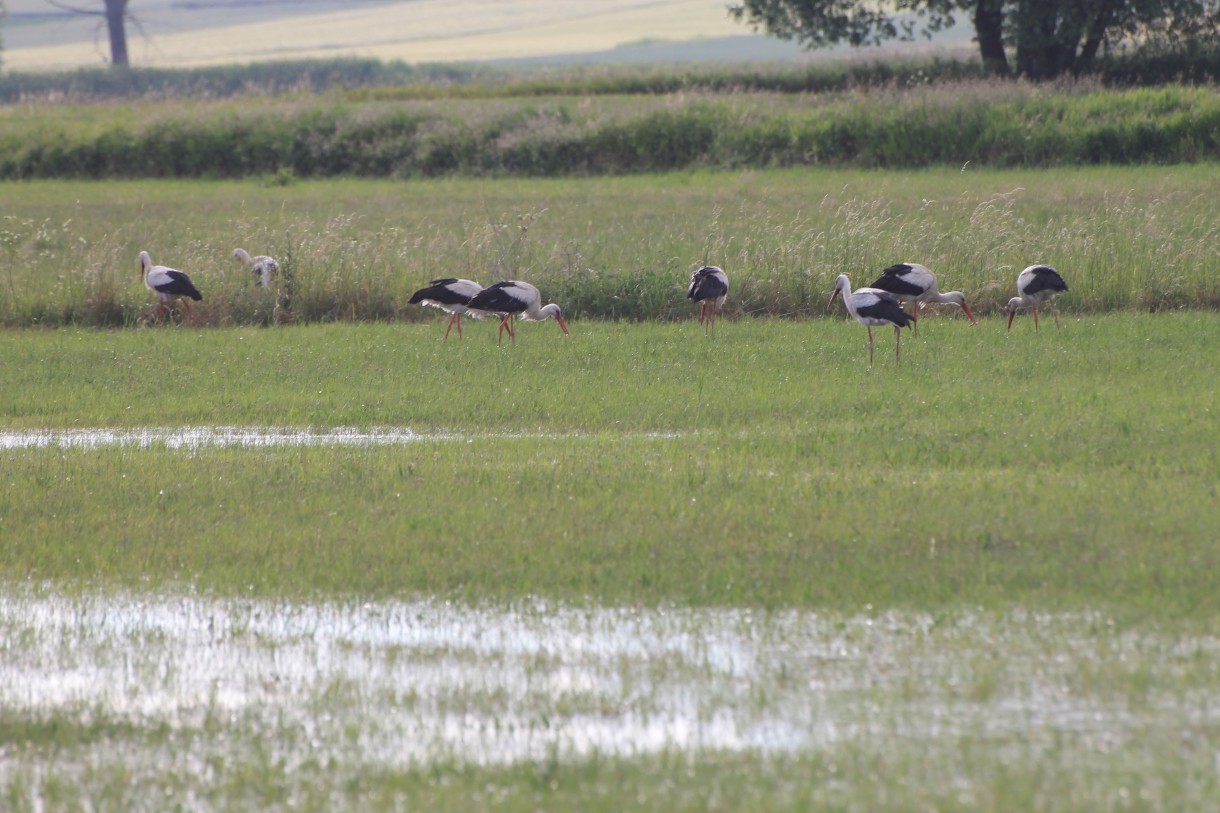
[172, 286]
[878, 305]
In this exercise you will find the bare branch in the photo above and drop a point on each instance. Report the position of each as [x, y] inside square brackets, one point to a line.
[75, 9]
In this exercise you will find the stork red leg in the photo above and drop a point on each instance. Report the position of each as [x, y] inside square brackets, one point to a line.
[1035, 317]
[870, 345]
[897, 344]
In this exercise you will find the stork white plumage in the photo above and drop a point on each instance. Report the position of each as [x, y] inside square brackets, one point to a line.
[709, 286]
[169, 284]
[451, 295]
[262, 266]
[1036, 284]
[873, 308]
[511, 299]
[914, 283]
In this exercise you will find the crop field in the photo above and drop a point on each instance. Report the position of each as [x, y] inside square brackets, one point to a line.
[326, 560]
[204, 33]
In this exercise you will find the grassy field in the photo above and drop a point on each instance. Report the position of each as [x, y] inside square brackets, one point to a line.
[767, 466]
[638, 567]
[1139, 238]
[721, 571]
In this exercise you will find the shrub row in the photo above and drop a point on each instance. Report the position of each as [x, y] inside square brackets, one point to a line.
[987, 123]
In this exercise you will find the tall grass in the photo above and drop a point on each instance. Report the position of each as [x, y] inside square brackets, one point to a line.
[608, 248]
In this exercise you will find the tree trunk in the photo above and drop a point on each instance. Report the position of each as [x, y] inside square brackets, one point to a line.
[116, 11]
[1097, 35]
[1039, 50]
[989, 28]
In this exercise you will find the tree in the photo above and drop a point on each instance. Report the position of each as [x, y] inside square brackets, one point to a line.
[115, 14]
[1047, 37]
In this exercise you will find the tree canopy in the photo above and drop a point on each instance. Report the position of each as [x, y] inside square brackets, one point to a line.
[1047, 37]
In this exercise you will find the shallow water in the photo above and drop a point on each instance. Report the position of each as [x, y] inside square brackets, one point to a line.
[197, 437]
[194, 437]
[406, 683]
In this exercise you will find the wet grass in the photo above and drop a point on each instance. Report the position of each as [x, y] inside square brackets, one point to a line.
[767, 466]
[120, 702]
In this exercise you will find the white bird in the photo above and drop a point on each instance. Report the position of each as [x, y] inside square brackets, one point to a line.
[514, 298]
[451, 295]
[709, 286]
[914, 283]
[1038, 283]
[170, 285]
[873, 308]
[263, 267]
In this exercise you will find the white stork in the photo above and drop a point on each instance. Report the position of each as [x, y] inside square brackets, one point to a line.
[168, 284]
[263, 267]
[1038, 283]
[873, 308]
[914, 283]
[709, 286]
[451, 295]
[510, 299]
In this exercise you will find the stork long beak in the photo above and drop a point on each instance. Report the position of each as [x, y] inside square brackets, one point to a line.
[563, 325]
[969, 315]
[833, 297]
[1010, 315]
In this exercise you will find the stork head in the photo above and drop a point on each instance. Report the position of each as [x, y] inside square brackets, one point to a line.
[241, 255]
[552, 310]
[841, 284]
[1015, 304]
[959, 299]
[145, 264]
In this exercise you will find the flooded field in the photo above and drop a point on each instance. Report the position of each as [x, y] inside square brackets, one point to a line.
[176, 679]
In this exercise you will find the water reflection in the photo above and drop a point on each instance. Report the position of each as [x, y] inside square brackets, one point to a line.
[400, 683]
[195, 437]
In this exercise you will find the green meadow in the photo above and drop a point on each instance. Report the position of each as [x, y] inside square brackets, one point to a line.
[641, 567]
[983, 579]
[764, 466]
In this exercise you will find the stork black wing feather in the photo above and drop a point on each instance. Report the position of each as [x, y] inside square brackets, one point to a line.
[893, 280]
[179, 285]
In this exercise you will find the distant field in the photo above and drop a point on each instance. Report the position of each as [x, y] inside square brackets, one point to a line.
[420, 31]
